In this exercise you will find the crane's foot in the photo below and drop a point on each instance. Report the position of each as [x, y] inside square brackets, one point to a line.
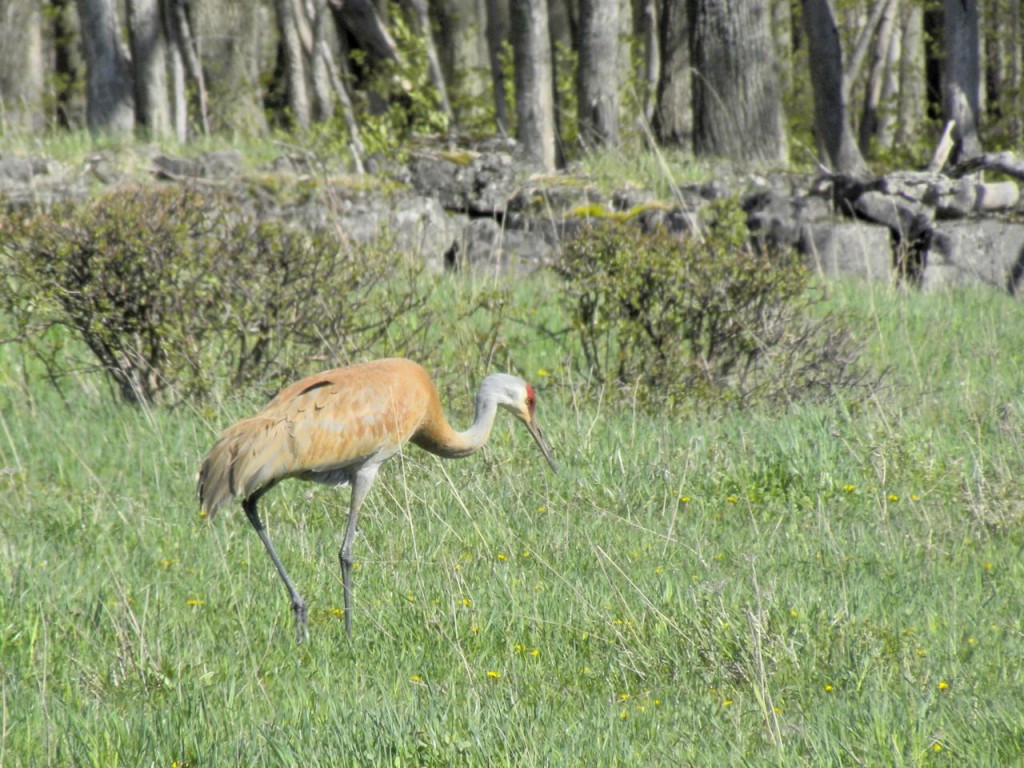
[301, 621]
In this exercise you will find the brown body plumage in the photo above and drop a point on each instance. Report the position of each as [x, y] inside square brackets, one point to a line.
[338, 427]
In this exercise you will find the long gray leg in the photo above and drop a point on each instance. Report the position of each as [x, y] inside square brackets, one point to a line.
[360, 486]
[298, 604]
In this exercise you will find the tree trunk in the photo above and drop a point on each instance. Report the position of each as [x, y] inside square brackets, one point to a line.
[782, 34]
[652, 56]
[21, 68]
[66, 62]
[673, 114]
[911, 101]
[421, 12]
[462, 50]
[109, 105]
[535, 100]
[836, 145]
[318, 56]
[497, 38]
[887, 120]
[737, 102]
[962, 84]
[235, 40]
[872, 114]
[149, 57]
[598, 73]
[1015, 75]
[293, 63]
[176, 72]
[362, 20]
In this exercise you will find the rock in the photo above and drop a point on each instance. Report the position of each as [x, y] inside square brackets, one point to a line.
[21, 170]
[628, 198]
[998, 196]
[486, 247]
[466, 181]
[965, 197]
[219, 164]
[908, 220]
[989, 252]
[415, 224]
[776, 218]
[850, 249]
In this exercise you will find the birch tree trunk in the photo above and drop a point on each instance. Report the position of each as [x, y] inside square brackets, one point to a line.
[535, 95]
[293, 61]
[873, 111]
[176, 73]
[149, 66]
[421, 12]
[598, 73]
[21, 67]
[911, 100]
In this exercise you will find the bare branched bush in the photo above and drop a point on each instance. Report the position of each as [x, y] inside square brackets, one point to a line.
[709, 318]
[172, 292]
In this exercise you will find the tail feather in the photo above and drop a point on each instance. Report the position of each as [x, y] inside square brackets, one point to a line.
[244, 460]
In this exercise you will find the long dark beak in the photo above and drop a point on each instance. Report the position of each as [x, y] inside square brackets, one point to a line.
[538, 436]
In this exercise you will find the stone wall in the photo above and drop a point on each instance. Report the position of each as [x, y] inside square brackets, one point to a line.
[483, 210]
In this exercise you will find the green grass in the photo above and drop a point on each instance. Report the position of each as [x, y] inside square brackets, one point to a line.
[820, 587]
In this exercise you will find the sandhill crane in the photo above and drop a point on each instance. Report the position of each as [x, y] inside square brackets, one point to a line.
[337, 428]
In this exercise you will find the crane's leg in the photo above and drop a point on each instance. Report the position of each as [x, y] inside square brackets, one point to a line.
[298, 604]
[360, 486]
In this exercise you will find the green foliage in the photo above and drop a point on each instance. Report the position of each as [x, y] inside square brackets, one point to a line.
[753, 589]
[706, 315]
[171, 291]
[566, 62]
[400, 102]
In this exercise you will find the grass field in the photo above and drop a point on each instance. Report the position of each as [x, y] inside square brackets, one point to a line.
[820, 587]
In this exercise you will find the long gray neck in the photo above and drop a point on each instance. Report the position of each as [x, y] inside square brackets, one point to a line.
[491, 391]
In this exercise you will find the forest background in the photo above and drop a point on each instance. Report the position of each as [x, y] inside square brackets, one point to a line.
[765, 82]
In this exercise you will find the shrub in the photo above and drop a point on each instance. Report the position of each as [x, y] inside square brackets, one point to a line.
[704, 316]
[171, 291]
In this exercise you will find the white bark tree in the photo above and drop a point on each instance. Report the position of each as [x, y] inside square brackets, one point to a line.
[535, 94]
[293, 63]
[598, 73]
[21, 67]
[149, 67]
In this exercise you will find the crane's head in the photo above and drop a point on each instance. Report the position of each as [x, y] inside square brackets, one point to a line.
[515, 395]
